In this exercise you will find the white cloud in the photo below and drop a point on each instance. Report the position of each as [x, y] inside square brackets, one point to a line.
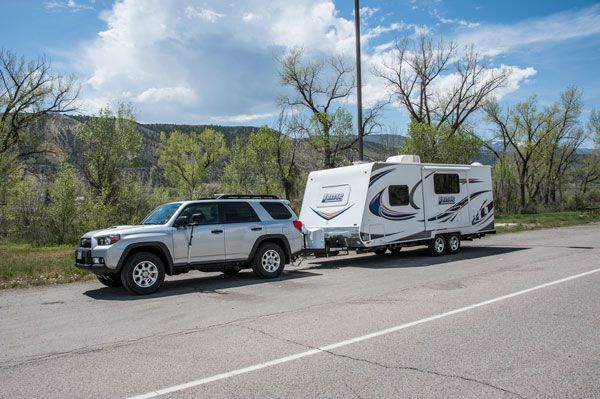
[166, 94]
[195, 61]
[69, 5]
[242, 118]
[497, 39]
[202, 13]
[454, 21]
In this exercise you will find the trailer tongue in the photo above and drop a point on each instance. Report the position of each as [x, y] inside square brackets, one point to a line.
[401, 202]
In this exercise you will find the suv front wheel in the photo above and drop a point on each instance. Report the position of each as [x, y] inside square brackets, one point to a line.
[268, 261]
[143, 273]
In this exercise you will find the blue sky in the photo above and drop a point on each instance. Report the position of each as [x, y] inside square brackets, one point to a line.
[212, 61]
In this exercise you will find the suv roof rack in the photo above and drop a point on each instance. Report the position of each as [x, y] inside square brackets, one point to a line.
[246, 196]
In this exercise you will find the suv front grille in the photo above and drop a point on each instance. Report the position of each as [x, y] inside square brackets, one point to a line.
[85, 243]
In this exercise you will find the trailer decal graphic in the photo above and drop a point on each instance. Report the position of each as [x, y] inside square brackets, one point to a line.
[448, 214]
[377, 208]
[378, 176]
[414, 189]
[330, 215]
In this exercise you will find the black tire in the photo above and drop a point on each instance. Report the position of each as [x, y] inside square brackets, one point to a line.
[231, 272]
[396, 251]
[269, 261]
[135, 280]
[453, 243]
[380, 251]
[437, 246]
[110, 279]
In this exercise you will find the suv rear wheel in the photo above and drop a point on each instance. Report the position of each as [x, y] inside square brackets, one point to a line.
[110, 280]
[143, 273]
[268, 261]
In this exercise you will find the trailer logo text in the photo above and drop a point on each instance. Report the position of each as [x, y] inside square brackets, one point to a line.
[332, 197]
[446, 199]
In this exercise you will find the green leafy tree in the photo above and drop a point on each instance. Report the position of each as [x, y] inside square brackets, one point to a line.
[263, 165]
[25, 205]
[63, 209]
[440, 145]
[111, 142]
[185, 158]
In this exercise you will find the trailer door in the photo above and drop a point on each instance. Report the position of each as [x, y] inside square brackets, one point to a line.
[446, 198]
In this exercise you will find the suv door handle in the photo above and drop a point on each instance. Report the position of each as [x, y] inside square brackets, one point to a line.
[256, 229]
[217, 231]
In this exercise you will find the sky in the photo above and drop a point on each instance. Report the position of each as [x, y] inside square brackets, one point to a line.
[214, 61]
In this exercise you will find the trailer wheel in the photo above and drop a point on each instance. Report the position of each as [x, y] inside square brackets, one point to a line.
[380, 251]
[453, 243]
[396, 251]
[437, 246]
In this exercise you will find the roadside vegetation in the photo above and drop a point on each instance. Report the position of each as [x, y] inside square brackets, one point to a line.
[52, 189]
[23, 265]
[521, 222]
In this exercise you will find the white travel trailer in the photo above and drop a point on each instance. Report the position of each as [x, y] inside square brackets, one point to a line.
[401, 202]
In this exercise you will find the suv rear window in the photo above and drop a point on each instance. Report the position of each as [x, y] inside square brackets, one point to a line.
[277, 210]
[238, 212]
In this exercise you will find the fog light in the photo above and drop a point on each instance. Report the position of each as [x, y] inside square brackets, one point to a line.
[98, 260]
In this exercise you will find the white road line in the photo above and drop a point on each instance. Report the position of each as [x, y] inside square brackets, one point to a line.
[350, 341]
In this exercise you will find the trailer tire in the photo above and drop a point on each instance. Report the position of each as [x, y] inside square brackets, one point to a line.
[437, 246]
[396, 251]
[453, 243]
[380, 251]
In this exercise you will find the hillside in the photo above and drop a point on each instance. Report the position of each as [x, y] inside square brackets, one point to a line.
[57, 134]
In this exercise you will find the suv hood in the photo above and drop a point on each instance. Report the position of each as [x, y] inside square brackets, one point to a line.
[124, 230]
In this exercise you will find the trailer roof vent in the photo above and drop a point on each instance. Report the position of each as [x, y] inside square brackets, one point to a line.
[476, 164]
[404, 159]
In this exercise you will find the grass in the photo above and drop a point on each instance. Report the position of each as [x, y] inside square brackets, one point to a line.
[544, 220]
[25, 265]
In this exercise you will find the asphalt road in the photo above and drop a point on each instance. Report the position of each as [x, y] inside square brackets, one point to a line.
[514, 315]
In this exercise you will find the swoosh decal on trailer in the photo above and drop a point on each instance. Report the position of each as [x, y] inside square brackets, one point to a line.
[330, 215]
[378, 176]
[414, 189]
[377, 208]
[448, 213]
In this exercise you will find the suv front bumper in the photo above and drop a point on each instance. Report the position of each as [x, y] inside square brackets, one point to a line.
[85, 260]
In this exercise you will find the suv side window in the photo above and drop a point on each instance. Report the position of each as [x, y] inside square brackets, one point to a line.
[208, 212]
[277, 210]
[238, 212]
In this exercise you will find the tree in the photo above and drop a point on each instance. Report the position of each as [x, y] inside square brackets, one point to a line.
[263, 165]
[29, 90]
[186, 157]
[439, 145]
[111, 142]
[63, 208]
[541, 142]
[415, 73]
[319, 84]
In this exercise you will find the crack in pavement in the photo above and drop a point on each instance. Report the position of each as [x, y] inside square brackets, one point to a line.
[386, 366]
[115, 345]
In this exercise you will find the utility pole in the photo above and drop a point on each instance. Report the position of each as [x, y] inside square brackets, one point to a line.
[358, 80]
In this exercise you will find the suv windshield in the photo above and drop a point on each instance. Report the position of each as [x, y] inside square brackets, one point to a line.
[162, 214]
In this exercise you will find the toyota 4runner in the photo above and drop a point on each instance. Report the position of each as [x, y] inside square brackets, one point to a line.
[226, 233]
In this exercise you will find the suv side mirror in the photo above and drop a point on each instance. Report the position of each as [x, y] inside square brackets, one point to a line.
[197, 218]
[182, 221]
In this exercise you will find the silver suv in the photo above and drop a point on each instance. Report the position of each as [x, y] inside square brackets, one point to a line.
[226, 233]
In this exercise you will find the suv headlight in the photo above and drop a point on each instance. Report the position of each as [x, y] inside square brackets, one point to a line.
[108, 240]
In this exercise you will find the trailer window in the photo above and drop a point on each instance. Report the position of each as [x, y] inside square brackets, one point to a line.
[446, 183]
[398, 195]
